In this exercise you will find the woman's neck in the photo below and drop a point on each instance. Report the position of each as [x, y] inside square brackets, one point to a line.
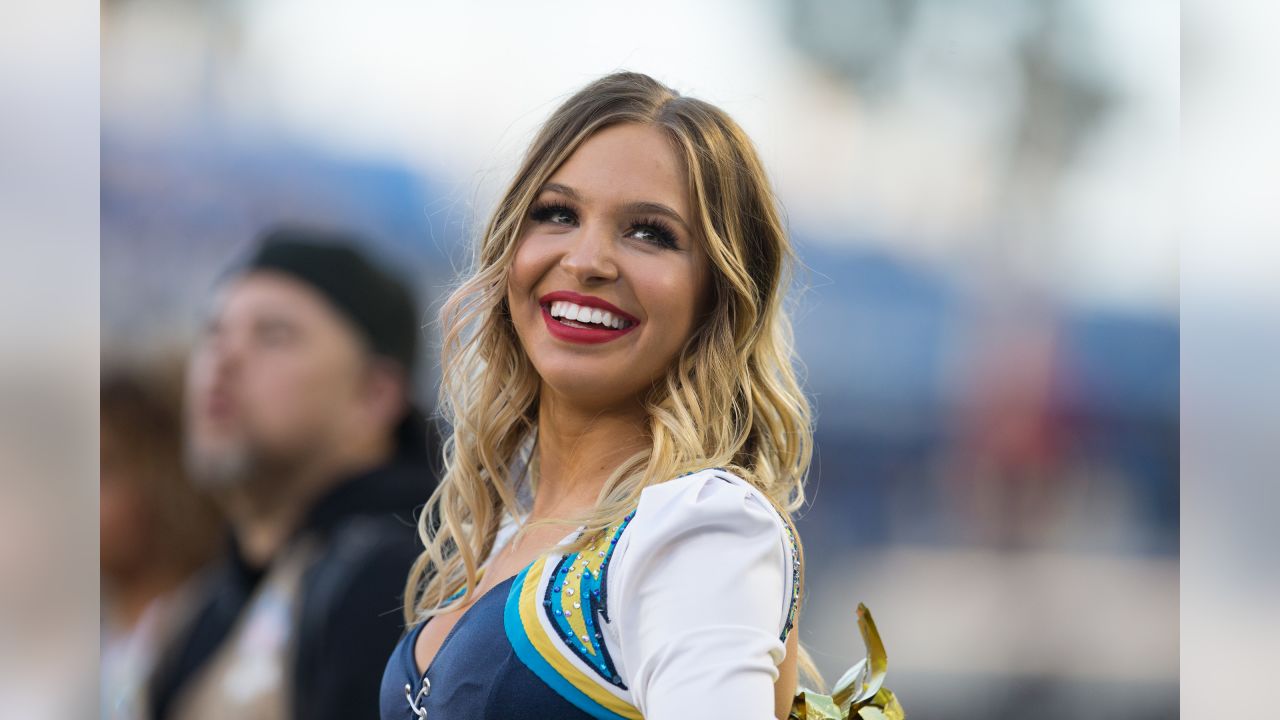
[577, 451]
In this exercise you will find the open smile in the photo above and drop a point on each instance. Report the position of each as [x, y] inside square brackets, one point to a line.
[584, 319]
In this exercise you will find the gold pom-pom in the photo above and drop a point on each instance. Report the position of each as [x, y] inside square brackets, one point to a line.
[859, 694]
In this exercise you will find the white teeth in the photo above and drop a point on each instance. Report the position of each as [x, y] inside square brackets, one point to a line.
[566, 310]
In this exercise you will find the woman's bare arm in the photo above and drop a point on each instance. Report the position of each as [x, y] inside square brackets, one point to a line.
[788, 677]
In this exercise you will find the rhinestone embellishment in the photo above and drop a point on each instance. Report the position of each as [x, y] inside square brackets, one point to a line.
[574, 601]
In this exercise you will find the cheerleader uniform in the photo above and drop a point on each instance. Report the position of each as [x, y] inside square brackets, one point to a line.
[680, 610]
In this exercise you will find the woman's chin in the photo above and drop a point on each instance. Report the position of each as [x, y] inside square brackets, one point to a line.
[594, 393]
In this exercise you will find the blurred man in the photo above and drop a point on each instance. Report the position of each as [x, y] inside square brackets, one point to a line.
[299, 420]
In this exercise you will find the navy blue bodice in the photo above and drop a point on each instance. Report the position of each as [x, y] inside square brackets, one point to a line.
[475, 675]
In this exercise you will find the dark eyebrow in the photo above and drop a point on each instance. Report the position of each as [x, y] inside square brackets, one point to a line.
[562, 190]
[653, 208]
[633, 208]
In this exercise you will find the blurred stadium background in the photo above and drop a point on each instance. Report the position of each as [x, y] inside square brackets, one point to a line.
[982, 195]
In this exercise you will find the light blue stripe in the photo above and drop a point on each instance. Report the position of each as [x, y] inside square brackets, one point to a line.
[533, 660]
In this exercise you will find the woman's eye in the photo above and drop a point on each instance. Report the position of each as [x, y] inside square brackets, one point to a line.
[554, 214]
[646, 234]
[654, 234]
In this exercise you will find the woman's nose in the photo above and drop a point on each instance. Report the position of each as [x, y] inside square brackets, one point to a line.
[589, 256]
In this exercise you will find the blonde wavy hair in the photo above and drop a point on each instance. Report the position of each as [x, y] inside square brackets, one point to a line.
[731, 398]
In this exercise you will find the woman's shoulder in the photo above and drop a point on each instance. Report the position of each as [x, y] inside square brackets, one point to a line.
[704, 587]
[706, 528]
[693, 490]
[714, 501]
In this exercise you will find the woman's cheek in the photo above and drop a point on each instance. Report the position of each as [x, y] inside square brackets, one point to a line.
[525, 268]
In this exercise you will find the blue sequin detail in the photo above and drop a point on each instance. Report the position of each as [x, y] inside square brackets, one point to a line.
[572, 571]
[795, 582]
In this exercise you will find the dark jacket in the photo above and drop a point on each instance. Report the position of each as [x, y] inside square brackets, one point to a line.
[351, 597]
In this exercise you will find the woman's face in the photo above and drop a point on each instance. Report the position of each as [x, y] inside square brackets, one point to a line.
[609, 279]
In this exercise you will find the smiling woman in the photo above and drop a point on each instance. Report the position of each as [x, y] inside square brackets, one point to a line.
[617, 367]
[590, 245]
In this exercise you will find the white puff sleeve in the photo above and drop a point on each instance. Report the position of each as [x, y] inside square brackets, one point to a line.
[700, 594]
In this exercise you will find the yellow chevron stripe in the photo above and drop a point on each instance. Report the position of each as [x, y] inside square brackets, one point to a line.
[542, 643]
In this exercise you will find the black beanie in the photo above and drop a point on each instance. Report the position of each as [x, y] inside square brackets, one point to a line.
[376, 302]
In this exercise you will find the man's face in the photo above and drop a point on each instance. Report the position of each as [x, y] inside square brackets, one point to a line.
[272, 379]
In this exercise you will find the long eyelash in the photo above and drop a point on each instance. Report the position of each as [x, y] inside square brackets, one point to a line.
[542, 212]
[666, 236]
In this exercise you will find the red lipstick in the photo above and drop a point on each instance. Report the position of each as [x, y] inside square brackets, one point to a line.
[594, 334]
